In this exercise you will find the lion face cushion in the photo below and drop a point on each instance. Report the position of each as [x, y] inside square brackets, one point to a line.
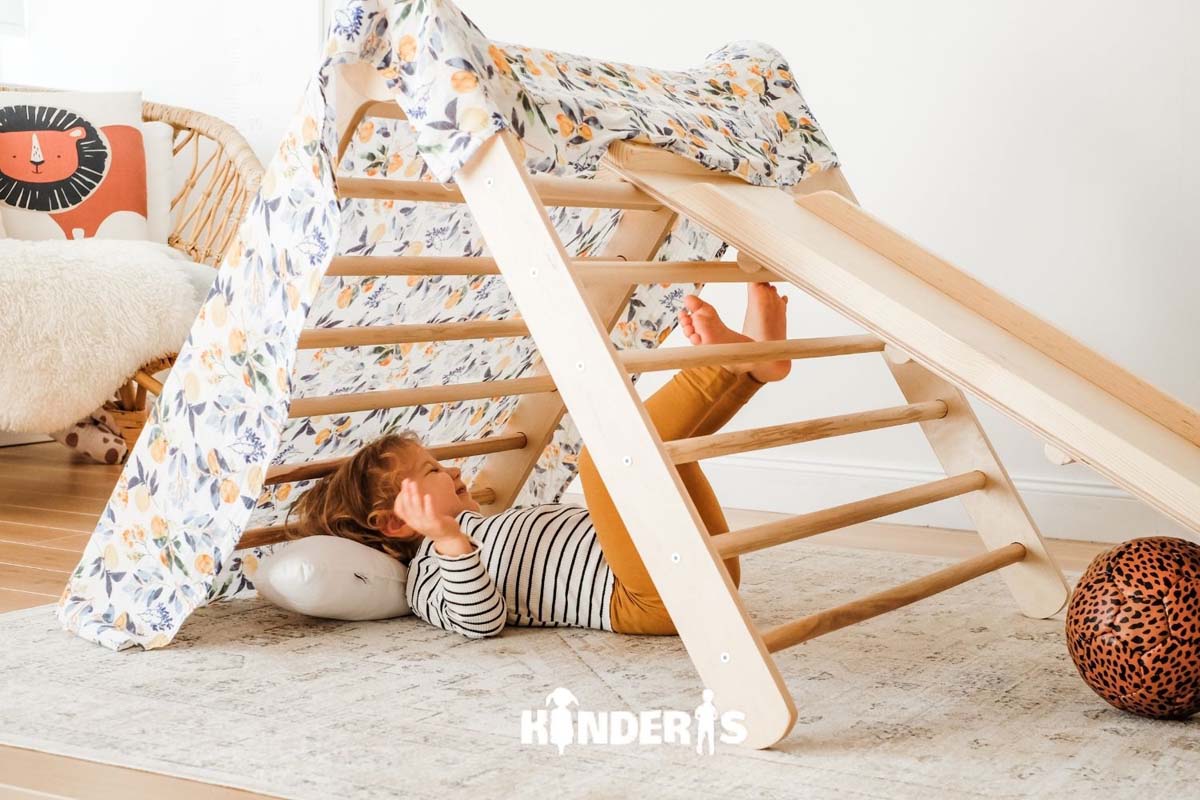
[72, 165]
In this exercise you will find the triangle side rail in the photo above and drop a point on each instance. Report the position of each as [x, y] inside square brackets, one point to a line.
[639, 235]
[668, 532]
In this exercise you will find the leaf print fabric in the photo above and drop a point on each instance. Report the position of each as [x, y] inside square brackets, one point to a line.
[166, 542]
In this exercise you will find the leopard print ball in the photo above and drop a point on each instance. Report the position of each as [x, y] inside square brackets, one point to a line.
[1133, 627]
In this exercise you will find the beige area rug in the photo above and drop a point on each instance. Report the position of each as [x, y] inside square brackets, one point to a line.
[955, 696]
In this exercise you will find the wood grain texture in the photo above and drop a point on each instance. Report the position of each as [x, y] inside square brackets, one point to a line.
[14, 599]
[33, 579]
[39, 557]
[1080, 403]
[28, 773]
[669, 534]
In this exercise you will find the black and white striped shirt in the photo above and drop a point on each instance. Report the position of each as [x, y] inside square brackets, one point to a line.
[537, 566]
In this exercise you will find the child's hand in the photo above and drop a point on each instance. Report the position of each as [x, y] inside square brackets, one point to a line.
[417, 510]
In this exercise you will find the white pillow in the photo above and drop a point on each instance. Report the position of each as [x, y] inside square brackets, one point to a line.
[159, 140]
[334, 577]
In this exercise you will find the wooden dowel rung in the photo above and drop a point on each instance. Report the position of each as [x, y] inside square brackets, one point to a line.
[367, 266]
[592, 271]
[683, 451]
[551, 191]
[421, 395]
[290, 473]
[273, 534]
[758, 537]
[662, 358]
[814, 625]
[365, 336]
[639, 272]
[261, 537]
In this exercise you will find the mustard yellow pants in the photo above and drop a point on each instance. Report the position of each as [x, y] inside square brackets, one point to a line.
[695, 402]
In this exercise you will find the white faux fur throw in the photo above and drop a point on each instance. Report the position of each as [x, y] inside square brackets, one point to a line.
[79, 317]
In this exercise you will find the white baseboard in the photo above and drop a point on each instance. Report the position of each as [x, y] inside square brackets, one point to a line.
[1083, 510]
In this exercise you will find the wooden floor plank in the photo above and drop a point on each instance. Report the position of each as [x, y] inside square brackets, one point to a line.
[37, 495]
[12, 600]
[31, 555]
[74, 542]
[10, 792]
[58, 776]
[31, 533]
[67, 520]
[28, 579]
[54, 454]
[62, 477]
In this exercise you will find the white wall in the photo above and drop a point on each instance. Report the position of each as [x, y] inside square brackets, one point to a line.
[1044, 147]
[246, 61]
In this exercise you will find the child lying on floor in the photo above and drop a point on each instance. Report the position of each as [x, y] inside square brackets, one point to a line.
[553, 564]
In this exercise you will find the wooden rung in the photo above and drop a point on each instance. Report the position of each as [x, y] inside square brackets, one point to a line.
[661, 358]
[290, 473]
[814, 625]
[551, 191]
[368, 266]
[592, 271]
[683, 451]
[365, 336]
[748, 540]
[632, 272]
[634, 361]
[273, 534]
[418, 396]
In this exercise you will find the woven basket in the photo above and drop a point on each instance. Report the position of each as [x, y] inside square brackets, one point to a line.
[223, 175]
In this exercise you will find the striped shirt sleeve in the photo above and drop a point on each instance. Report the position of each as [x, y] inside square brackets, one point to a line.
[461, 596]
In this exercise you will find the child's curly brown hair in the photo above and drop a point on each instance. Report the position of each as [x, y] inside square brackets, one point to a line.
[355, 500]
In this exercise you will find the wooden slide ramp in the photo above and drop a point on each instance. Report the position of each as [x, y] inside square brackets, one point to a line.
[1076, 400]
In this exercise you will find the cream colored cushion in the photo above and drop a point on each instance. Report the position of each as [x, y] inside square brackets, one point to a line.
[158, 138]
[335, 578]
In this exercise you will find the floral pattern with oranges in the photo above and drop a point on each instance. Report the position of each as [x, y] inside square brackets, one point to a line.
[166, 542]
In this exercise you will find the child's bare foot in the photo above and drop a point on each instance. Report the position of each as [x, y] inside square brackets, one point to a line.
[766, 319]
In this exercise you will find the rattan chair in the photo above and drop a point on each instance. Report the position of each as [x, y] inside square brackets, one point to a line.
[223, 174]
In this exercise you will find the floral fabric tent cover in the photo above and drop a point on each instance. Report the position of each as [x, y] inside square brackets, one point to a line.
[165, 542]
